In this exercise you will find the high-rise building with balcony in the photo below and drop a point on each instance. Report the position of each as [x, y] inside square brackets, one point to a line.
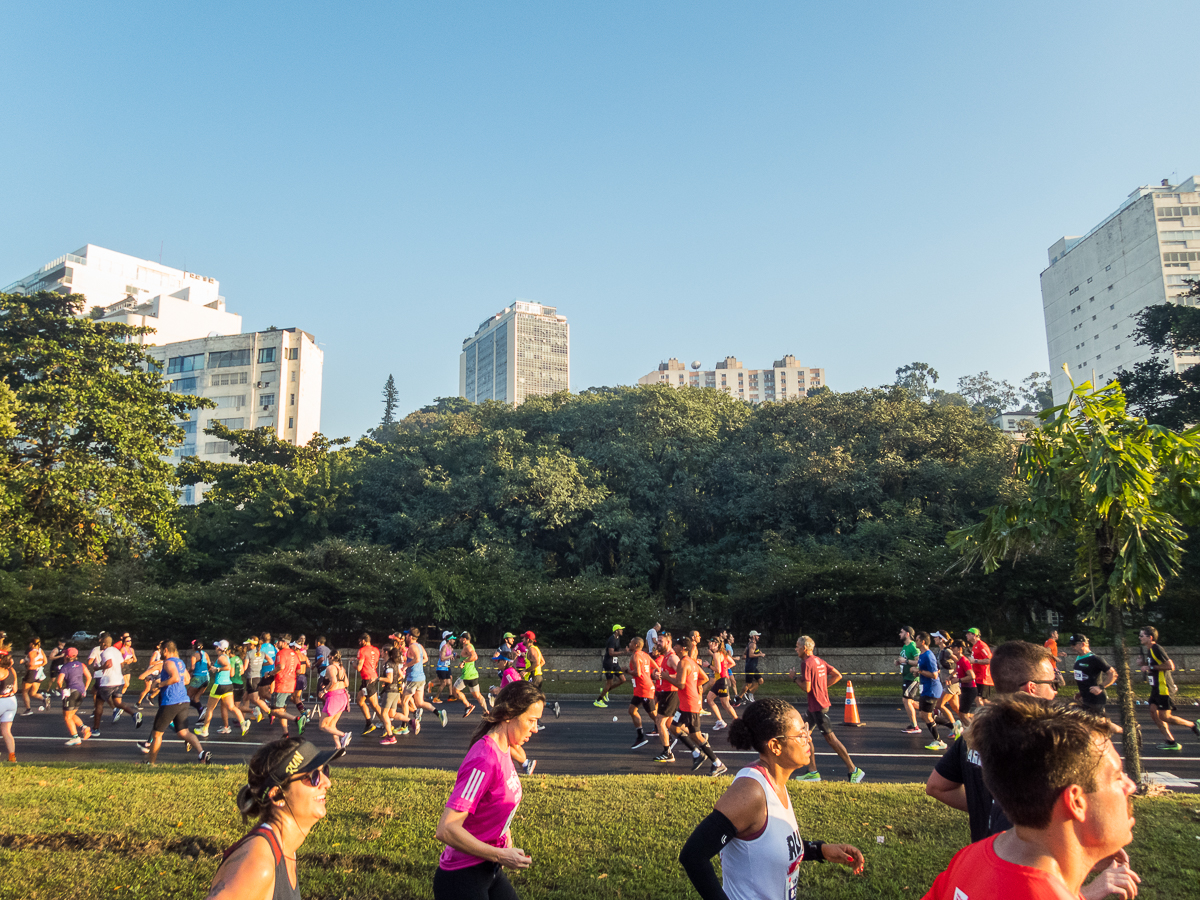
[522, 351]
[785, 380]
[1141, 255]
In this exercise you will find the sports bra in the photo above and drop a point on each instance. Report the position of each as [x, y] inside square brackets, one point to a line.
[283, 884]
[8, 684]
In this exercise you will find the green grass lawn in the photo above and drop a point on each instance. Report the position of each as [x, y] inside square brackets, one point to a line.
[117, 831]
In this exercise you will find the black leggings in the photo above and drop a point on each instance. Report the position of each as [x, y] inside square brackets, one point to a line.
[485, 881]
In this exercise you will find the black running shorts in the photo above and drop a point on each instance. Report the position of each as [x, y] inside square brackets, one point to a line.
[1162, 701]
[818, 720]
[71, 700]
[645, 704]
[667, 702]
[720, 687]
[688, 720]
[177, 713]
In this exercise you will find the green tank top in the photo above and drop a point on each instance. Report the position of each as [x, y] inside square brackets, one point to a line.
[469, 671]
[236, 663]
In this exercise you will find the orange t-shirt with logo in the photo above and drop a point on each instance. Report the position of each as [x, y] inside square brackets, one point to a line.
[690, 675]
[643, 669]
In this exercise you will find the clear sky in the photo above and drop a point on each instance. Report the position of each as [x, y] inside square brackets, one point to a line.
[861, 185]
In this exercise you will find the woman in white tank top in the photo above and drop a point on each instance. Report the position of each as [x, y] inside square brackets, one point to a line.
[753, 826]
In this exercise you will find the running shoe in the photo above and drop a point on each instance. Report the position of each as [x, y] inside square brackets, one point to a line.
[224, 729]
[1196, 729]
[470, 709]
[201, 731]
[910, 730]
[116, 715]
[541, 727]
[958, 728]
[257, 716]
[705, 712]
[667, 756]
[442, 717]
[600, 704]
[94, 734]
[42, 708]
[528, 766]
[403, 730]
[370, 729]
[28, 712]
[206, 757]
[389, 740]
[245, 726]
[936, 745]
[87, 732]
[12, 757]
[1174, 745]
[651, 734]
[144, 746]
[718, 726]
[558, 709]
[345, 741]
[75, 741]
[300, 723]
[639, 743]
[137, 720]
[697, 761]
[419, 715]
[718, 769]
[856, 776]
[808, 776]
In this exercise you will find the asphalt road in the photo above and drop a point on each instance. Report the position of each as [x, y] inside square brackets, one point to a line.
[583, 741]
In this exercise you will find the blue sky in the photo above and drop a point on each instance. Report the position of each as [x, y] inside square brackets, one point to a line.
[862, 185]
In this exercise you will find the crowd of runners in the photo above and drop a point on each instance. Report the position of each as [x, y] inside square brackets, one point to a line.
[1042, 786]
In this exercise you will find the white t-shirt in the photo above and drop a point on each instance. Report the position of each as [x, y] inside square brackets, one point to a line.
[111, 676]
[94, 661]
[651, 640]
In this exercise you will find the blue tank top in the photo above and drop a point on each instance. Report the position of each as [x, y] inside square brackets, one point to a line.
[201, 670]
[224, 676]
[172, 693]
[269, 652]
[416, 673]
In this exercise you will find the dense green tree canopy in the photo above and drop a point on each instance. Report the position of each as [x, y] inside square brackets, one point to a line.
[85, 426]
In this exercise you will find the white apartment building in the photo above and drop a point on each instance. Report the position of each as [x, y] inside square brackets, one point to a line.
[266, 379]
[121, 288]
[522, 351]
[1143, 254]
[785, 380]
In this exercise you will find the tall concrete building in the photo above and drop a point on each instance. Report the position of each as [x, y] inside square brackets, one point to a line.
[1142, 254]
[785, 380]
[522, 351]
[265, 379]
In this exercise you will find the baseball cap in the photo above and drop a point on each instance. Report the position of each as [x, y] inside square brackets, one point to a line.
[221, 645]
[755, 634]
[974, 631]
[395, 637]
[618, 628]
[72, 652]
[508, 634]
[938, 634]
[1078, 638]
[529, 636]
[446, 634]
[305, 758]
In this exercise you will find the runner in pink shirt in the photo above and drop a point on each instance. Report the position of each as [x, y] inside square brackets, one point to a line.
[475, 823]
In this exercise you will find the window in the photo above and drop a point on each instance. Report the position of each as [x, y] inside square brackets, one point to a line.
[1112, 306]
[225, 359]
[1114, 328]
[1175, 212]
[185, 363]
[291, 422]
[293, 353]
[216, 447]
[1074, 290]
[229, 378]
[1090, 299]
[188, 449]
[267, 399]
[293, 376]
[1188, 256]
[235, 401]
[1118, 347]
[1089, 281]
[292, 402]
[1106, 268]
[266, 355]
[183, 385]
[231, 424]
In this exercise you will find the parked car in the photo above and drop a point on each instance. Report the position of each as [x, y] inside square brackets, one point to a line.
[83, 636]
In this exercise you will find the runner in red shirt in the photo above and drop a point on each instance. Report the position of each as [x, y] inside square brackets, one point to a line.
[666, 699]
[644, 670]
[816, 681]
[981, 662]
[689, 680]
[287, 664]
[368, 662]
[1067, 817]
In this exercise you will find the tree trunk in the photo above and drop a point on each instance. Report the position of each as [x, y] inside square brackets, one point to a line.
[1131, 741]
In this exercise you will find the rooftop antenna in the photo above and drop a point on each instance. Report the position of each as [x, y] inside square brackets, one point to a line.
[160, 246]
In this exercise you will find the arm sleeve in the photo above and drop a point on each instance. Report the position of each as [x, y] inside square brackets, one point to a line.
[696, 856]
[813, 851]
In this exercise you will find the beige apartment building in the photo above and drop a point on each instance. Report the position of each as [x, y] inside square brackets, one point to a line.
[522, 351]
[1142, 254]
[785, 380]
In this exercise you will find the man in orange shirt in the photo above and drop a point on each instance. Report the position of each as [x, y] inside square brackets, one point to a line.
[643, 669]
[287, 664]
[981, 663]
[689, 679]
[1058, 778]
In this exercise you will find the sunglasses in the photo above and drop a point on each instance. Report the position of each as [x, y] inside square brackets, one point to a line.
[313, 777]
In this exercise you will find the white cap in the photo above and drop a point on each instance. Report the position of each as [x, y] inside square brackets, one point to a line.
[755, 634]
[221, 645]
[446, 634]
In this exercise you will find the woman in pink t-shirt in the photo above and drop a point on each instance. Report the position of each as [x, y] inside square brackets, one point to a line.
[474, 825]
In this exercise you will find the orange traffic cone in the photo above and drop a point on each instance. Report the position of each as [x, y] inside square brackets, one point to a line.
[851, 715]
